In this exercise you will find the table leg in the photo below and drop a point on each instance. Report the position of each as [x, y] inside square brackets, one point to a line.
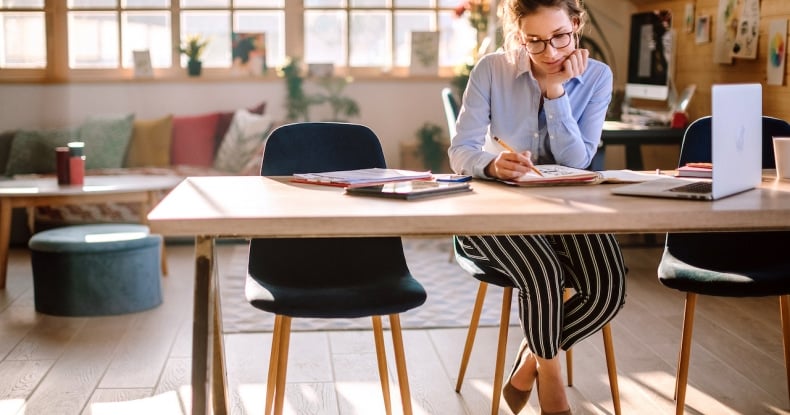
[204, 258]
[146, 207]
[633, 157]
[5, 239]
[219, 388]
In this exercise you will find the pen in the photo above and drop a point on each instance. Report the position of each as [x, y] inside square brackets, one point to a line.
[510, 149]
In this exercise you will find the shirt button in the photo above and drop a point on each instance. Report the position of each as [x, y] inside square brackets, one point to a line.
[551, 137]
[551, 117]
[536, 135]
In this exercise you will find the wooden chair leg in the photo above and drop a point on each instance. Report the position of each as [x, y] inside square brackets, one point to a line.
[681, 379]
[400, 363]
[381, 359]
[273, 356]
[470, 336]
[282, 364]
[611, 366]
[566, 293]
[499, 368]
[784, 310]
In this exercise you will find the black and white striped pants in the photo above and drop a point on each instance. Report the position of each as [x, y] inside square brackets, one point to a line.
[540, 267]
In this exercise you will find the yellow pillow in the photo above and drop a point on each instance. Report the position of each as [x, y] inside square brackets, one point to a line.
[150, 144]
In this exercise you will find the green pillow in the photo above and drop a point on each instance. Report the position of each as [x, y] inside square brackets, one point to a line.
[34, 151]
[106, 140]
[6, 138]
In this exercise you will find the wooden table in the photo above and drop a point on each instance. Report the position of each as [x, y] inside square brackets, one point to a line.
[215, 207]
[634, 136]
[97, 189]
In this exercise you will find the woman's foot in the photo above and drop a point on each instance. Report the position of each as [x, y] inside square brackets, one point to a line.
[519, 384]
[551, 388]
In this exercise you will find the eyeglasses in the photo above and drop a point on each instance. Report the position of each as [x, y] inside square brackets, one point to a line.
[558, 41]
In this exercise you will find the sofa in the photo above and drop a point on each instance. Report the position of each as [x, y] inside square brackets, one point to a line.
[213, 143]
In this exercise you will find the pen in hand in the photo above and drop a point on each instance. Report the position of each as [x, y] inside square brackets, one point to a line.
[510, 149]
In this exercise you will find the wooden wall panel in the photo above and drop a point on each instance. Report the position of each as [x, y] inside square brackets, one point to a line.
[694, 63]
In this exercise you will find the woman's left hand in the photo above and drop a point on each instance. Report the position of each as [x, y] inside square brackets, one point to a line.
[574, 65]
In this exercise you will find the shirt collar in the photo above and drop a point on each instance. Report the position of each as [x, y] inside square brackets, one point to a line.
[524, 65]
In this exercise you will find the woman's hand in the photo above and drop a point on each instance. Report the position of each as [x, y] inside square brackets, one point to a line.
[574, 65]
[508, 166]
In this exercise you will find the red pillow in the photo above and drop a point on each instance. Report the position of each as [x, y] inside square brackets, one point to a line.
[225, 118]
[193, 140]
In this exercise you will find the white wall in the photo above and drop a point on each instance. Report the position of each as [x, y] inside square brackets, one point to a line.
[393, 109]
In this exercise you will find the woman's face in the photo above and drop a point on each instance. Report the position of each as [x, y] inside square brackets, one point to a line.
[545, 24]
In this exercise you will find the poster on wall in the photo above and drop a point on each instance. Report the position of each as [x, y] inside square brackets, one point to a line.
[702, 30]
[688, 18]
[726, 22]
[748, 28]
[777, 50]
[249, 53]
[424, 53]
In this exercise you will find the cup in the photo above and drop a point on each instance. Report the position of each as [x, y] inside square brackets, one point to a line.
[782, 156]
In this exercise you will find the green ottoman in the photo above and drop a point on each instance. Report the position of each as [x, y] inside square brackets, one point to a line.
[96, 270]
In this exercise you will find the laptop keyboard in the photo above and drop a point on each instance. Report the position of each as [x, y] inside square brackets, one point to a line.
[694, 187]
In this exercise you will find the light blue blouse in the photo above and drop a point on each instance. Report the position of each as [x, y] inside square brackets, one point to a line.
[502, 99]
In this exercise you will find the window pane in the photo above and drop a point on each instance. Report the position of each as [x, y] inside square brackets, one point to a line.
[457, 39]
[205, 3]
[216, 27]
[371, 39]
[324, 3]
[93, 40]
[405, 23]
[149, 4]
[369, 3]
[27, 4]
[259, 3]
[413, 3]
[325, 34]
[271, 23]
[23, 44]
[92, 4]
[146, 30]
[449, 3]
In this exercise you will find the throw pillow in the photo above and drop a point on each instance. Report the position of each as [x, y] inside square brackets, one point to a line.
[33, 151]
[106, 140]
[224, 123]
[242, 142]
[193, 140]
[6, 139]
[150, 145]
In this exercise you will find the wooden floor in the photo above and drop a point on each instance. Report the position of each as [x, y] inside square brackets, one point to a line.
[139, 363]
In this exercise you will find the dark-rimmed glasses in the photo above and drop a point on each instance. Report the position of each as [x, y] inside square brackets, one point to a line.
[558, 41]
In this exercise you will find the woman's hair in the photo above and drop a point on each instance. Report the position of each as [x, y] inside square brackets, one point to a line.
[514, 10]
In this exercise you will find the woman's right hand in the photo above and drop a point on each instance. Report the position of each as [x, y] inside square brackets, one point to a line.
[508, 166]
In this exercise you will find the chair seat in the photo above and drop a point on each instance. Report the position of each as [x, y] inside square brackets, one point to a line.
[351, 301]
[743, 264]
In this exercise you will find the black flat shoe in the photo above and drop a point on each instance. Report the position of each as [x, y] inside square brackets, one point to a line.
[516, 399]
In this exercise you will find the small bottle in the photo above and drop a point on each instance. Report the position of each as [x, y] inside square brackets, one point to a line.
[76, 163]
[62, 165]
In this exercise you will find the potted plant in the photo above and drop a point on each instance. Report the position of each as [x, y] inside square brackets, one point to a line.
[193, 47]
[430, 145]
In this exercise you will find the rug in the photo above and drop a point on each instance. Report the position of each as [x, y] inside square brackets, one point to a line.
[451, 295]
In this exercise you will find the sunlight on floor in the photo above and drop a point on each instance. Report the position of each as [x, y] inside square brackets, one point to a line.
[11, 406]
[166, 403]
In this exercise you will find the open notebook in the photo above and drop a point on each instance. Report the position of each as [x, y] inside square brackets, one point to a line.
[737, 150]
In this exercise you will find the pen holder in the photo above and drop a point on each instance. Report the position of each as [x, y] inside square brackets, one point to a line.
[62, 165]
[76, 163]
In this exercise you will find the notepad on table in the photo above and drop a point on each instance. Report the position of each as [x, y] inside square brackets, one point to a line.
[704, 170]
[360, 177]
[412, 189]
[555, 174]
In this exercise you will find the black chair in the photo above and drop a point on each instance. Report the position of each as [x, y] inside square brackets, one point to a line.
[729, 264]
[492, 276]
[304, 277]
[450, 110]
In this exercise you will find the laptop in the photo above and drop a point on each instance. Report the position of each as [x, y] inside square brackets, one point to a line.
[736, 125]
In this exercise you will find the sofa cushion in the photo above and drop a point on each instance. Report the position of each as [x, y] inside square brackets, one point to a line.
[6, 138]
[33, 151]
[106, 140]
[150, 144]
[225, 119]
[193, 140]
[243, 142]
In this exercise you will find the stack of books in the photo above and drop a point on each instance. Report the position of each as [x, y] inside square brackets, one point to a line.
[701, 170]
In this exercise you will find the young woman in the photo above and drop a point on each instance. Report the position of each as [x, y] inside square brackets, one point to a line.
[547, 100]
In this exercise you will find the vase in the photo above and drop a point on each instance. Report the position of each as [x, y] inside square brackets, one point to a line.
[194, 67]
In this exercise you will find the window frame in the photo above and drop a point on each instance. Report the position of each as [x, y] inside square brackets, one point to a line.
[57, 67]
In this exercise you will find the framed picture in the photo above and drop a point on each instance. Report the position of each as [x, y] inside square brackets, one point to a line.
[424, 53]
[702, 32]
[249, 53]
[320, 69]
[142, 64]
[688, 18]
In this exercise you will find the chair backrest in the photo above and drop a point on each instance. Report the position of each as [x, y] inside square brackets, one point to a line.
[319, 262]
[697, 140]
[450, 110]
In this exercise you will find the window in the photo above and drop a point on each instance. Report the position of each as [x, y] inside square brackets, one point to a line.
[96, 38]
